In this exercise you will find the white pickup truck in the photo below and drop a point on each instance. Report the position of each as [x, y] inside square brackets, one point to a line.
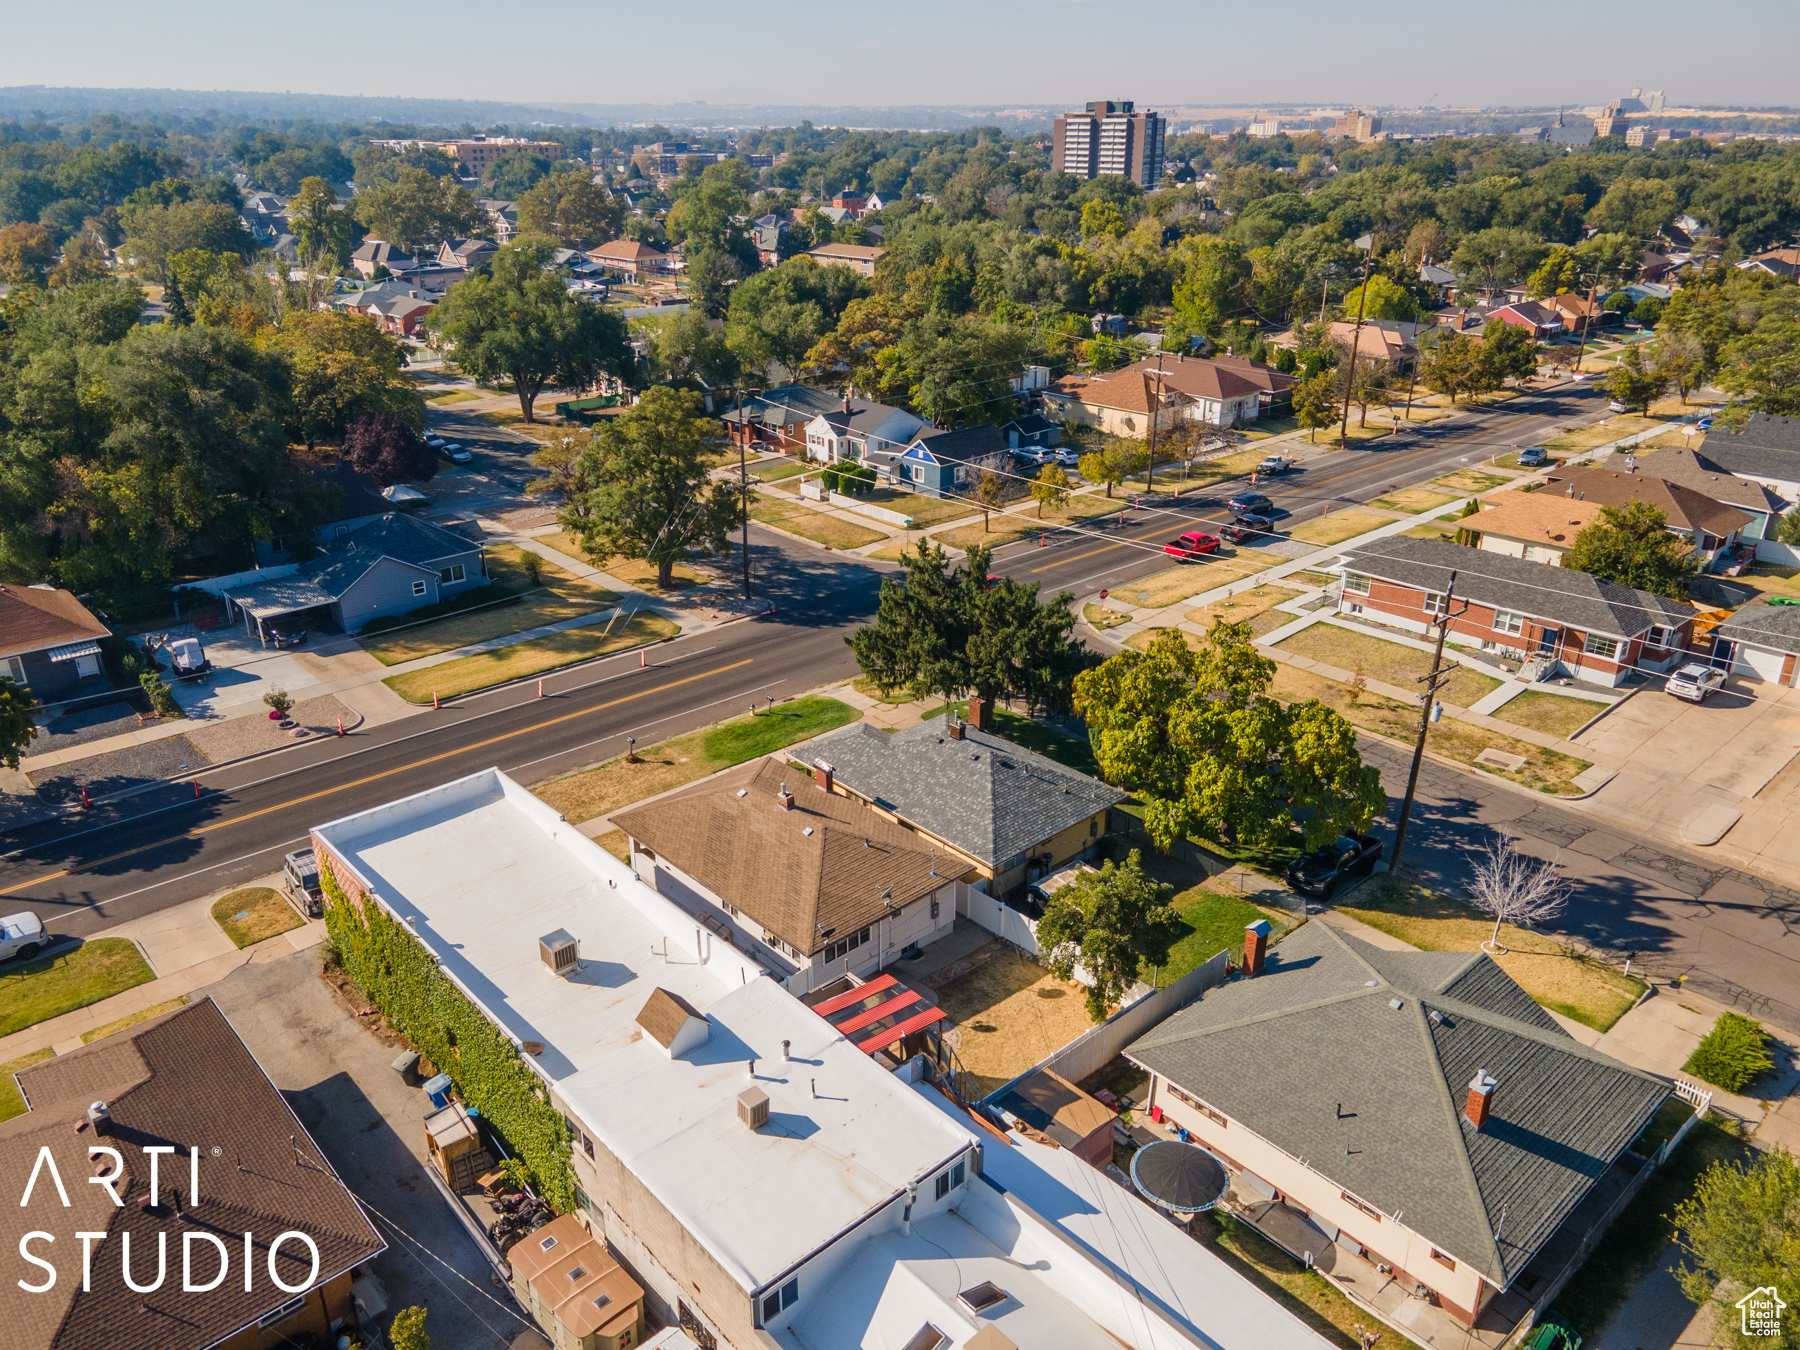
[21, 935]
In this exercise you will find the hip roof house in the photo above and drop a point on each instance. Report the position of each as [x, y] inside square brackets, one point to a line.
[48, 640]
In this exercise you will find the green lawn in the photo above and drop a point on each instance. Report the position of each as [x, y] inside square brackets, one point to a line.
[1553, 714]
[1215, 922]
[523, 659]
[33, 991]
[1390, 662]
[779, 469]
[131, 1020]
[254, 913]
[773, 728]
[11, 1102]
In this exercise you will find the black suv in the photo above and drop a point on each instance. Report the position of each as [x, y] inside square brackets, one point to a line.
[1318, 874]
[1252, 503]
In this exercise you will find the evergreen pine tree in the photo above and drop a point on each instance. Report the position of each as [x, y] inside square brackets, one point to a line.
[176, 303]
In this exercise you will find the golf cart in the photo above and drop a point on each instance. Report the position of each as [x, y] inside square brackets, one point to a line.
[187, 658]
[300, 883]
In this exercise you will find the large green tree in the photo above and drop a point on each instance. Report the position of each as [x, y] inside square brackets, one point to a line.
[18, 723]
[1635, 380]
[570, 209]
[155, 234]
[343, 367]
[1195, 735]
[686, 349]
[1114, 926]
[1632, 545]
[417, 210]
[519, 322]
[1740, 1231]
[778, 315]
[652, 495]
[321, 225]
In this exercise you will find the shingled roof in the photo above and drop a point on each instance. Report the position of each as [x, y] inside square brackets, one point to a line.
[33, 618]
[984, 795]
[808, 875]
[1314, 1056]
[184, 1079]
[1684, 508]
[1560, 595]
[1760, 624]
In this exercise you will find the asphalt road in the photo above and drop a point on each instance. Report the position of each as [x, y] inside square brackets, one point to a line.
[84, 873]
[1108, 553]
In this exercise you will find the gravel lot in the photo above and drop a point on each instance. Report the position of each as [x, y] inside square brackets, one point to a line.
[89, 724]
[118, 770]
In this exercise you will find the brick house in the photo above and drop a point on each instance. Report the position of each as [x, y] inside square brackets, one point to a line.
[1543, 322]
[857, 257]
[629, 258]
[1596, 630]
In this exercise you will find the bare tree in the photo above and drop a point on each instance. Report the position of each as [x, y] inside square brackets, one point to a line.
[1516, 888]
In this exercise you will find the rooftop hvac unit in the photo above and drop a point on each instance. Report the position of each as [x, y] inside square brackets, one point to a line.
[560, 952]
[753, 1107]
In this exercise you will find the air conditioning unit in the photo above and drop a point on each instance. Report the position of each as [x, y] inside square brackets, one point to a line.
[560, 952]
[753, 1107]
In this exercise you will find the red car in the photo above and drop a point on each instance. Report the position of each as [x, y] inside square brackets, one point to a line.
[1191, 545]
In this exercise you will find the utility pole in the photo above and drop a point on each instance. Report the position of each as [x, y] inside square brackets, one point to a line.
[744, 484]
[1586, 321]
[1432, 684]
[1367, 243]
[1155, 402]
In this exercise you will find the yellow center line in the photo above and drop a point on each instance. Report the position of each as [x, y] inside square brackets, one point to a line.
[199, 830]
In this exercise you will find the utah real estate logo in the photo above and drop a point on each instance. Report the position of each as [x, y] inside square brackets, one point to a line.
[1762, 1311]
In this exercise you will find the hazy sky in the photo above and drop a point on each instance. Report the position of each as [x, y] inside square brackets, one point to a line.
[982, 52]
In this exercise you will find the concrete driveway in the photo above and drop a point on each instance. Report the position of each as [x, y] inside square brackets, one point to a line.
[244, 670]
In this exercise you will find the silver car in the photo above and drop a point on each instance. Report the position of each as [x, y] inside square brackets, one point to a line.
[1695, 682]
[21, 935]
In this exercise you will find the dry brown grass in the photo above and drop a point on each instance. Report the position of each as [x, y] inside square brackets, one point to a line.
[514, 420]
[632, 571]
[1011, 1013]
[533, 657]
[253, 914]
[1616, 427]
[1380, 659]
[788, 514]
[1553, 973]
[1102, 616]
[1470, 482]
[142, 1015]
[1338, 526]
[1246, 607]
[597, 792]
[1553, 714]
[615, 843]
[1167, 588]
[1413, 500]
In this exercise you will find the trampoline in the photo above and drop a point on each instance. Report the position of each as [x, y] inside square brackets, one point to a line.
[1178, 1176]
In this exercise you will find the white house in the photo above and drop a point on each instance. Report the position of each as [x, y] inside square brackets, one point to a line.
[858, 430]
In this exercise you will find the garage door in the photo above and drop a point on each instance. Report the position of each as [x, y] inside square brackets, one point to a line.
[1762, 665]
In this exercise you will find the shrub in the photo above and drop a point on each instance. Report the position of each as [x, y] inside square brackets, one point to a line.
[830, 479]
[280, 700]
[1734, 1054]
[162, 702]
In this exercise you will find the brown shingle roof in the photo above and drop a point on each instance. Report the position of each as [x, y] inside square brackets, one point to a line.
[183, 1079]
[624, 250]
[1543, 517]
[747, 850]
[1682, 507]
[1196, 379]
[33, 619]
[664, 1014]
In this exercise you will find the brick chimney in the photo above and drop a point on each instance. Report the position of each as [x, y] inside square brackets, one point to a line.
[822, 774]
[1456, 324]
[981, 713]
[846, 400]
[953, 729]
[784, 799]
[1256, 946]
[1481, 1098]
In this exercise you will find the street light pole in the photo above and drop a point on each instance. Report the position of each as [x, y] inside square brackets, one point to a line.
[1367, 244]
[1432, 684]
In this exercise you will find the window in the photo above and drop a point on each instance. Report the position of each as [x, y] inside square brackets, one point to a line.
[845, 946]
[1355, 583]
[1660, 636]
[15, 670]
[1093, 828]
[418, 588]
[956, 1175]
[451, 574]
[1442, 1260]
[1362, 1205]
[576, 1274]
[1196, 1103]
[1601, 646]
[943, 1186]
[339, 531]
[1434, 602]
[284, 1312]
[918, 473]
[547, 1244]
[278, 545]
[1505, 621]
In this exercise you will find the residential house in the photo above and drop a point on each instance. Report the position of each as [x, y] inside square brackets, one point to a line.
[941, 463]
[374, 254]
[575, 1289]
[1415, 1108]
[1779, 262]
[1390, 341]
[503, 217]
[1542, 321]
[468, 254]
[1695, 469]
[1183, 391]
[1553, 616]
[1711, 528]
[1537, 526]
[777, 419]
[812, 1196]
[49, 641]
[1434, 274]
[243, 1163]
[629, 258]
[1577, 311]
[1275, 387]
[384, 569]
[1032, 430]
[1761, 641]
[402, 315]
[860, 430]
[355, 500]
[812, 883]
[1654, 267]
[1642, 290]
[1766, 451]
[860, 258]
[853, 202]
[1003, 815]
[766, 233]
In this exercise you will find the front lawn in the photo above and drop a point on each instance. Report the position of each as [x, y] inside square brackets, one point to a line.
[452, 396]
[1166, 588]
[925, 511]
[831, 531]
[12, 1101]
[1338, 526]
[632, 571]
[1555, 974]
[523, 659]
[1414, 500]
[1470, 482]
[1614, 428]
[559, 595]
[141, 1015]
[1390, 662]
[254, 913]
[1255, 607]
[1553, 714]
[782, 725]
[49, 986]
[1215, 920]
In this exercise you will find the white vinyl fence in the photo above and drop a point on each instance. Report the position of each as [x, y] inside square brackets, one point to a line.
[998, 919]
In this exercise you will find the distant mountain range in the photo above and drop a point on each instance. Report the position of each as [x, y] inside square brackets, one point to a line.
[24, 102]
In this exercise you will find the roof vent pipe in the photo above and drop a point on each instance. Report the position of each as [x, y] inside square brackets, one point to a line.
[912, 1191]
[784, 799]
[784, 1049]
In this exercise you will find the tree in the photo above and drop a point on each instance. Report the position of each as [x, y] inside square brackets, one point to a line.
[1558, 274]
[1497, 257]
[344, 367]
[321, 225]
[568, 469]
[26, 252]
[685, 349]
[1386, 299]
[570, 209]
[1101, 219]
[990, 493]
[155, 234]
[1679, 359]
[519, 322]
[18, 723]
[1195, 736]
[1507, 352]
[778, 315]
[1050, 488]
[1427, 242]
[1635, 207]
[417, 210]
[511, 176]
[408, 1330]
[388, 449]
[1454, 367]
[1212, 287]
[1632, 546]
[1112, 924]
[83, 259]
[1368, 387]
[1111, 464]
[1516, 888]
[1315, 402]
[1740, 1231]
[652, 498]
[1634, 381]
[175, 303]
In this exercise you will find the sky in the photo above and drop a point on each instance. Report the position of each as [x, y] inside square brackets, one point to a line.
[1175, 53]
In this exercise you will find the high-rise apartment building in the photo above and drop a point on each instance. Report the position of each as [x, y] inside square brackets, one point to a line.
[1112, 139]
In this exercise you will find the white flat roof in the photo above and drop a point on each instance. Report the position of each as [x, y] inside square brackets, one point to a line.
[480, 869]
[844, 1137]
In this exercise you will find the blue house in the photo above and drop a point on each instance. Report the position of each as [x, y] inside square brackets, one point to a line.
[1032, 431]
[944, 463]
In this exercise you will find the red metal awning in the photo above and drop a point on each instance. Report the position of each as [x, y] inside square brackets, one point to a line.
[887, 1037]
[870, 1016]
[856, 995]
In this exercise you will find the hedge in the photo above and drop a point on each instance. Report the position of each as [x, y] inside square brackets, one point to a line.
[403, 980]
[1734, 1054]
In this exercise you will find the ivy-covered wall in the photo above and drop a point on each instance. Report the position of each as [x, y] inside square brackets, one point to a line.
[401, 978]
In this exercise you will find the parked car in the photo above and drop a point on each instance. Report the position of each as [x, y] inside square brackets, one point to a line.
[1615, 406]
[21, 936]
[1251, 503]
[1705, 423]
[1240, 534]
[1533, 456]
[1250, 521]
[1318, 874]
[1274, 464]
[1695, 682]
[436, 442]
[1192, 545]
[188, 658]
[300, 882]
[458, 455]
[1032, 455]
[287, 633]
